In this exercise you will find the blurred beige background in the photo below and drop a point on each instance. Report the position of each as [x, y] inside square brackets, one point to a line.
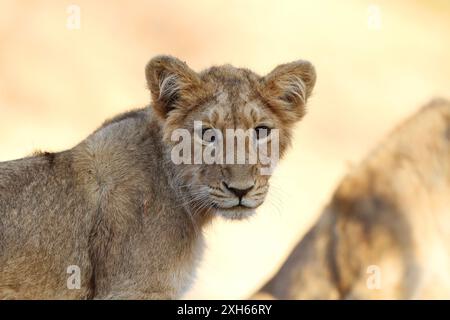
[377, 62]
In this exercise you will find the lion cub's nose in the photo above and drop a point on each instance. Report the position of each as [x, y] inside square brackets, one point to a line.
[237, 191]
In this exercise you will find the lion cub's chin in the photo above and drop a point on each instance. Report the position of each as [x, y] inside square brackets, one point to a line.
[236, 213]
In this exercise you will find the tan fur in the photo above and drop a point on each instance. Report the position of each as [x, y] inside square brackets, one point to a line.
[392, 212]
[118, 207]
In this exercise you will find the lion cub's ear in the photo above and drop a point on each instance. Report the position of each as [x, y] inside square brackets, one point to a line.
[288, 87]
[171, 82]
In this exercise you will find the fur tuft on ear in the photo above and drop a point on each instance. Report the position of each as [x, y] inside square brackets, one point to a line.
[288, 87]
[171, 82]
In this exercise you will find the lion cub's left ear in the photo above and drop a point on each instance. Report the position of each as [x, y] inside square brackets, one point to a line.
[172, 84]
[288, 87]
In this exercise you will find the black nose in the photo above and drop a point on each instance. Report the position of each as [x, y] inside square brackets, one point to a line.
[238, 192]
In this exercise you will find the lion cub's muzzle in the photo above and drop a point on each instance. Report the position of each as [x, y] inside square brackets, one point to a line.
[237, 200]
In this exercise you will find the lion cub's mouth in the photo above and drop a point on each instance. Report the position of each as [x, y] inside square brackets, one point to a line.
[239, 207]
[232, 206]
[236, 213]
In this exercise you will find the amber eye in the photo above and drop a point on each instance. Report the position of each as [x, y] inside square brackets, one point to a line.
[208, 135]
[262, 132]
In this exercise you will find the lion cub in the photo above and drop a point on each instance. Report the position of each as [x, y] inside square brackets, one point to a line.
[386, 232]
[119, 215]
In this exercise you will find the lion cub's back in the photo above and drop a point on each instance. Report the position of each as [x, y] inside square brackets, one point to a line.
[44, 224]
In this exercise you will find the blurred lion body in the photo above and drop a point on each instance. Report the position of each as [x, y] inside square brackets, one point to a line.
[117, 206]
[385, 233]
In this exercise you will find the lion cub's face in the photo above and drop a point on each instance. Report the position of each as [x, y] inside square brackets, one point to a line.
[226, 128]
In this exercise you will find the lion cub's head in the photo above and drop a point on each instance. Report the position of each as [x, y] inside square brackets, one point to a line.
[226, 127]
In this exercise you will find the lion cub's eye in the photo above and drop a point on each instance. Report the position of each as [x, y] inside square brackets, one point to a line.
[262, 132]
[208, 135]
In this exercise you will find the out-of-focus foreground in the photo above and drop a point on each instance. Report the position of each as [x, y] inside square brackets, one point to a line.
[377, 62]
[386, 232]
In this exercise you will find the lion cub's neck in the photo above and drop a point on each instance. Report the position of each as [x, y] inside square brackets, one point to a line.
[126, 174]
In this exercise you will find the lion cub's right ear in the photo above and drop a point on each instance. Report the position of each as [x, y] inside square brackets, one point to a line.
[171, 82]
[288, 87]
